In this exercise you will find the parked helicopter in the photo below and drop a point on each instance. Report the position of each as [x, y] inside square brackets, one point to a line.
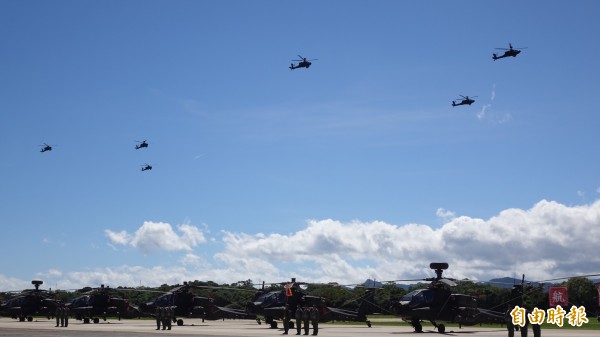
[101, 303]
[141, 144]
[186, 304]
[45, 148]
[437, 303]
[510, 51]
[29, 303]
[271, 305]
[302, 63]
[464, 100]
[146, 167]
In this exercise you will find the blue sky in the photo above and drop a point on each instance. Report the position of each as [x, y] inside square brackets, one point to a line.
[264, 173]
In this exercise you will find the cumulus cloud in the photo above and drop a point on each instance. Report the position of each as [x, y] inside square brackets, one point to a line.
[157, 236]
[546, 241]
[549, 240]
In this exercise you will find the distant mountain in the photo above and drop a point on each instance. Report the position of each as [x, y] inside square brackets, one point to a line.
[372, 284]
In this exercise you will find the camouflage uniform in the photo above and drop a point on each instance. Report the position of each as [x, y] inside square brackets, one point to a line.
[314, 317]
[66, 315]
[163, 315]
[286, 319]
[158, 318]
[57, 314]
[305, 318]
[169, 317]
[62, 317]
[299, 313]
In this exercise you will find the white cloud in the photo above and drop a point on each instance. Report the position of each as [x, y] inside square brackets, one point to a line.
[445, 215]
[156, 236]
[548, 240]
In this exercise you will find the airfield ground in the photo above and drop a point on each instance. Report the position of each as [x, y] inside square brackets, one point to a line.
[243, 328]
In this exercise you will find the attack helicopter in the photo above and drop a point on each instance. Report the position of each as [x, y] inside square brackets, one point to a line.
[141, 144]
[146, 167]
[465, 100]
[29, 303]
[186, 304]
[271, 305]
[437, 303]
[101, 303]
[510, 51]
[45, 147]
[302, 63]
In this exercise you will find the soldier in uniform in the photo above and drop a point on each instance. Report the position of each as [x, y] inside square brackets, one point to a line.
[286, 319]
[163, 314]
[158, 317]
[57, 313]
[169, 316]
[299, 312]
[305, 318]
[509, 324]
[314, 317]
[66, 315]
[62, 315]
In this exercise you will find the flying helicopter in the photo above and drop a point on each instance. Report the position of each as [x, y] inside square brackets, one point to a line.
[302, 63]
[146, 167]
[45, 148]
[29, 303]
[186, 304]
[464, 100]
[101, 303]
[510, 51]
[437, 303]
[141, 144]
[271, 305]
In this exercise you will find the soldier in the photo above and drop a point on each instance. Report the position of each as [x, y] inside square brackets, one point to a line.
[57, 314]
[163, 314]
[62, 316]
[305, 318]
[158, 317]
[509, 324]
[169, 316]
[66, 315]
[314, 317]
[299, 312]
[286, 319]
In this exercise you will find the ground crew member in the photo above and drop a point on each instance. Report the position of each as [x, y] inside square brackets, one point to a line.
[158, 317]
[66, 315]
[305, 318]
[62, 316]
[299, 312]
[314, 317]
[286, 319]
[509, 324]
[57, 314]
[163, 314]
[169, 316]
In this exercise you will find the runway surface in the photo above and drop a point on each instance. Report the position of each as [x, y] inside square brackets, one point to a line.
[243, 328]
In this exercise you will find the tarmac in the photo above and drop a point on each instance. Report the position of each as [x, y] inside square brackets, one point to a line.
[243, 328]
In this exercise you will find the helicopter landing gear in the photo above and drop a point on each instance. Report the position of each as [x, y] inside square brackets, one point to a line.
[417, 325]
